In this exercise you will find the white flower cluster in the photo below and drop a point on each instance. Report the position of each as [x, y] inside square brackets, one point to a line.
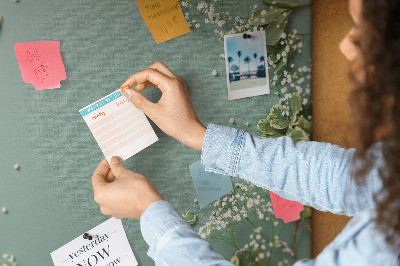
[249, 205]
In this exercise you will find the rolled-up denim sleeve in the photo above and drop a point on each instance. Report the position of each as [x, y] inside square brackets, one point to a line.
[313, 173]
[172, 241]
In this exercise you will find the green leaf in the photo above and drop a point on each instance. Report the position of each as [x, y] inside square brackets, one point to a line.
[295, 103]
[305, 125]
[293, 120]
[306, 213]
[190, 217]
[299, 135]
[283, 3]
[276, 112]
[266, 16]
[280, 123]
[277, 135]
[265, 127]
[275, 29]
[235, 260]
[280, 67]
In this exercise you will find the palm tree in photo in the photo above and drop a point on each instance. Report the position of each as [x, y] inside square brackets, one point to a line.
[262, 59]
[239, 55]
[230, 59]
[255, 58]
[247, 60]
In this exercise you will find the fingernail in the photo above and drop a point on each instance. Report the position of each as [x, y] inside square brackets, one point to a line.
[129, 92]
[125, 88]
[115, 160]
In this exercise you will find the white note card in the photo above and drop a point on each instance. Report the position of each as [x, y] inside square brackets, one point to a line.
[108, 247]
[118, 126]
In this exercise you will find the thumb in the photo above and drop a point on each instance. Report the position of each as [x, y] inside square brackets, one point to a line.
[138, 100]
[117, 167]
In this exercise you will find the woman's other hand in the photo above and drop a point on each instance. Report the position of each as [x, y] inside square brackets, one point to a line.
[128, 196]
[174, 112]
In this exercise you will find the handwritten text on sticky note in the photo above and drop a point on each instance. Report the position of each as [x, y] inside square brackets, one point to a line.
[284, 209]
[41, 63]
[164, 18]
[209, 186]
[109, 246]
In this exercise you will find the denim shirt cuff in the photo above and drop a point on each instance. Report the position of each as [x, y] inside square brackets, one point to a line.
[158, 219]
[222, 148]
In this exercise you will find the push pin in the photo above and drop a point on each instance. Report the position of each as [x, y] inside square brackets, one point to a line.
[231, 120]
[16, 166]
[4, 209]
[214, 72]
[247, 124]
[246, 36]
[87, 236]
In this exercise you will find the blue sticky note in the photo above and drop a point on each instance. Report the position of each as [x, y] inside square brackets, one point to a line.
[209, 186]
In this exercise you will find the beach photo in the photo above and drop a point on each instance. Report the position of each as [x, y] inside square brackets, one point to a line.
[245, 57]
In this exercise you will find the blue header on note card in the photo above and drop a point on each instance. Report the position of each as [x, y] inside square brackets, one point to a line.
[101, 103]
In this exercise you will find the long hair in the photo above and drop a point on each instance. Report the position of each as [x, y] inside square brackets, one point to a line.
[376, 107]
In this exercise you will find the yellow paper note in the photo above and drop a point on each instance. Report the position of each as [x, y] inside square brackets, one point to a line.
[164, 18]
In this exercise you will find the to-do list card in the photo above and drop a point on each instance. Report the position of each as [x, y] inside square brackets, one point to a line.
[118, 126]
[108, 246]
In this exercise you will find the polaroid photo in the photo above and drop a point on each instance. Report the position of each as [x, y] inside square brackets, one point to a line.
[246, 68]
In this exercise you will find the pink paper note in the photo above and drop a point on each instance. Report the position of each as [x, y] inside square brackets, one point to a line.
[284, 209]
[41, 63]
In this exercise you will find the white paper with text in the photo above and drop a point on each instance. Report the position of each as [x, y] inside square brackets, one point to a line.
[108, 247]
[118, 126]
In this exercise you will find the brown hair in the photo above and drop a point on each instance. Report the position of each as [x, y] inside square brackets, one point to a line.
[376, 105]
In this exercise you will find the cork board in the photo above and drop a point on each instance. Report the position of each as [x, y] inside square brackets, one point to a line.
[331, 89]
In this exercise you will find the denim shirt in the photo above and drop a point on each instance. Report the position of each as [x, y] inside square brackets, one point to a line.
[312, 173]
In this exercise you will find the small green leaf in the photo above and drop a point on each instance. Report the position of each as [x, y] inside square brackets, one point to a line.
[280, 123]
[276, 112]
[275, 29]
[266, 16]
[235, 260]
[283, 3]
[190, 217]
[295, 103]
[265, 127]
[306, 213]
[293, 119]
[299, 135]
[277, 135]
[280, 67]
[305, 125]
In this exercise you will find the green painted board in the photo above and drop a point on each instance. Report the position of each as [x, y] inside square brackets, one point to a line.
[50, 198]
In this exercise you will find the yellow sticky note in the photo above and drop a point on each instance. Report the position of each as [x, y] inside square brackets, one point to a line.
[164, 18]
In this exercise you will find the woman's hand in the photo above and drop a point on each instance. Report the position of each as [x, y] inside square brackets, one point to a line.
[128, 196]
[174, 112]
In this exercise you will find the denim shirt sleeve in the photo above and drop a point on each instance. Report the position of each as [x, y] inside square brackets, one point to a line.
[312, 173]
[172, 241]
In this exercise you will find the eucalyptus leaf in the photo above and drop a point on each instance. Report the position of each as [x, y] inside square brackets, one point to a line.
[275, 50]
[295, 103]
[305, 125]
[299, 135]
[275, 29]
[266, 16]
[280, 123]
[283, 3]
[280, 68]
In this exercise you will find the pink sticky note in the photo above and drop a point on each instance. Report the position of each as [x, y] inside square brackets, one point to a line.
[284, 209]
[41, 63]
